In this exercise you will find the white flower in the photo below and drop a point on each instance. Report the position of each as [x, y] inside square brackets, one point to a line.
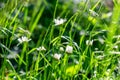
[115, 47]
[101, 40]
[89, 42]
[59, 21]
[23, 39]
[41, 48]
[95, 74]
[69, 49]
[76, 61]
[82, 32]
[12, 55]
[61, 49]
[57, 56]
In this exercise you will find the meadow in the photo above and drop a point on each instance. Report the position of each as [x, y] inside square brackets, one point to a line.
[59, 39]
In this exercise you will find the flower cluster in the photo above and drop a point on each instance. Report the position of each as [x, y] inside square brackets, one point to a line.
[59, 21]
[57, 56]
[23, 39]
[89, 42]
[41, 48]
[69, 49]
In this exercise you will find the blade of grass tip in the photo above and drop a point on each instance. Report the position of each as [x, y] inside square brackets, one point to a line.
[22, 54]
[31, 51]
[68, 22]
[45, 54]
[37, 64]
[70, 32]
[115, 20]
[85, 7]
[41, 38]
[93, 19]
[13, 33]
[54, 15]
[8, 31]
[11, 52]
[7, 21]
[3, 31]
[5, 48]
[16, 15]
[47, 32]
[45, 2]
[42, 68]
[10, 64]
[55, 40]
[3, 18]
[45, 72]
[37, 19]
[96, 5]
[25, 16]
[35, 12]
[90, 63]
[45, 59]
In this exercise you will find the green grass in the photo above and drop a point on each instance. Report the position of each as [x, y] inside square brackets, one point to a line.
[84, 47]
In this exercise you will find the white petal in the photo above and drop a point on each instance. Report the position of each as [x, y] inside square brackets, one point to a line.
[69, 49]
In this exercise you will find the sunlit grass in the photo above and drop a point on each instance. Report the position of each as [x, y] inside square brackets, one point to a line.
[59, 40]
